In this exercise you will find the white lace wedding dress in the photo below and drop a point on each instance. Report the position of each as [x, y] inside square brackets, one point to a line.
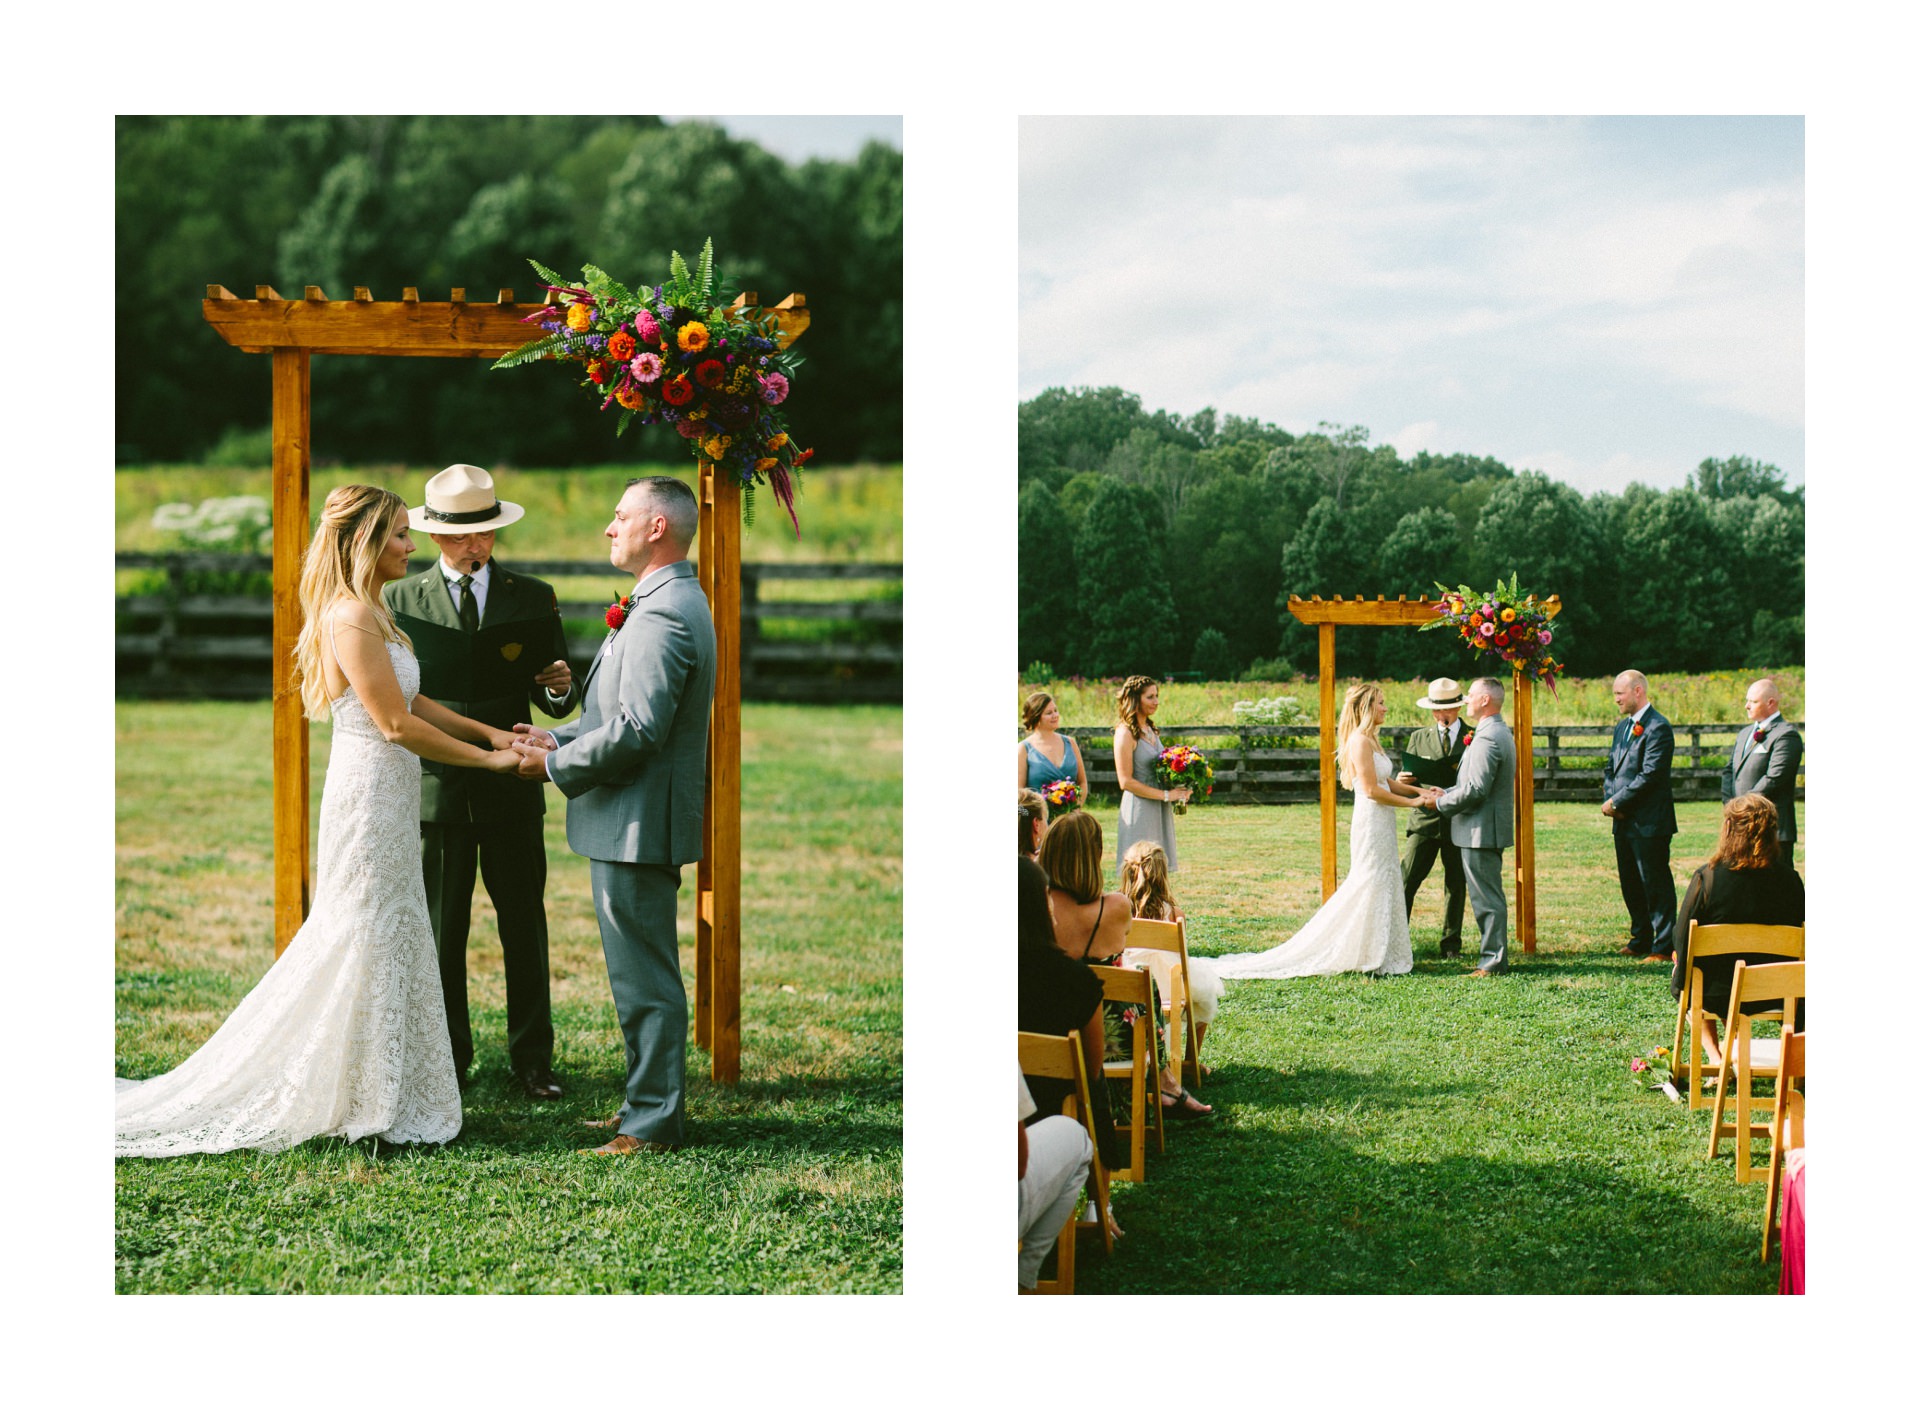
[347, 1034]
[1363, 925]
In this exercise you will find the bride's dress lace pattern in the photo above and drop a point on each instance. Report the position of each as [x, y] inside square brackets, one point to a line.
[347, 1034]
[1363, 925]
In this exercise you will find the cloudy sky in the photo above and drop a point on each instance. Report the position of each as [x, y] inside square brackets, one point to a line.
[1605, 299]
[833, 137]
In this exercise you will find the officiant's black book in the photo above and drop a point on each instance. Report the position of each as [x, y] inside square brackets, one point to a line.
[498, 660]
[1441, 773]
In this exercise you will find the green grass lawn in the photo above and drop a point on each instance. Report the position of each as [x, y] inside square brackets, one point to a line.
[1433, 1133]
[793, 1183]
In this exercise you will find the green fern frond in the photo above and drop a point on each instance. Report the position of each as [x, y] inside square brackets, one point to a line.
[547, 276]
[605, 287]
[529, 352]
[703, 275]
[626, 415]
[678, 268]
[746, 504]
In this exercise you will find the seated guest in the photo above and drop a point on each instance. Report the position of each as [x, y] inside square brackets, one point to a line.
[1090, 925]
[1143, 876]
[1747, 881]
[1055, 1156]
[1046, 754]
[1058, 996]
[1033, 822]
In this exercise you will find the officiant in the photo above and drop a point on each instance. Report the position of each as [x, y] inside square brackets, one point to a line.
[491, 647]
[1432, 756]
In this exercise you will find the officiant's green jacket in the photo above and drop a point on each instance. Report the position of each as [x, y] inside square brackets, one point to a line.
[1424, 743]
[487, 676]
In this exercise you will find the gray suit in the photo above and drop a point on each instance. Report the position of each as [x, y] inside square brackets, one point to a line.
[1481, 809]
[1771, 767]
[633, 768]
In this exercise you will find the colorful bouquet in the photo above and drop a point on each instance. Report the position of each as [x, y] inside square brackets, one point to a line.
[1062, 795]
[1505, 622]
[1657, 1070]
[679, 354]
[1182, 766]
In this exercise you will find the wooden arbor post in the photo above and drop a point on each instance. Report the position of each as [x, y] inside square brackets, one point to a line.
[292, 330]
[1400, 613]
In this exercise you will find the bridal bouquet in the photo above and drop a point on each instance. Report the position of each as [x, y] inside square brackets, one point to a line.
[1504, 623]
[680, 354]
[1182, 766]
[1063, 796]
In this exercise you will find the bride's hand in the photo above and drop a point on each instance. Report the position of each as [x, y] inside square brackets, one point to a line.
[502, 761]
[500, 739]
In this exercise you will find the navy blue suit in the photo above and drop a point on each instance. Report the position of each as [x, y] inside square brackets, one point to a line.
[1638, 780]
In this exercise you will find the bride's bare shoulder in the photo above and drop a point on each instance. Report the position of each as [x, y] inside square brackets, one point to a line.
[351, 612]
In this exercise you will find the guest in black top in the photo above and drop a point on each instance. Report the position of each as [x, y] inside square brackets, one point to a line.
[1747, 881]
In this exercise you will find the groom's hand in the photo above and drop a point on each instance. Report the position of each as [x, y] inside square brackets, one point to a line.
[528, 734]
[533, 760]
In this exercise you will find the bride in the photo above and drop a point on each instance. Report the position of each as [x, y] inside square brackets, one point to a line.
[347, 1034]
[1363, 925]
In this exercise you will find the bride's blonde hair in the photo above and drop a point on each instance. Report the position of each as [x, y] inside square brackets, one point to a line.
[355, 524]
[1356, 717]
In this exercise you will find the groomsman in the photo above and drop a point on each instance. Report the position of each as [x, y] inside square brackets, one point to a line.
[490, 644]
[1766, 759]
[1428, 834]
[1637, 786]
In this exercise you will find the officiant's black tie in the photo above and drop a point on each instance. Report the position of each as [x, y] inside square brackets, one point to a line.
[469, 609]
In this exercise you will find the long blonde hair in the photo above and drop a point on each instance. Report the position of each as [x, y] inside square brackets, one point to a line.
[355, 524]
[1143, 876]
[1127, 706]
[1356, 717]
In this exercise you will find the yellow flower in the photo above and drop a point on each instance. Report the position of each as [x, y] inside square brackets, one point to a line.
[716, 446]
[578, 318]
[693, 337]
[699, 413]
[760, 467]
[777, 441]
[1506, 614]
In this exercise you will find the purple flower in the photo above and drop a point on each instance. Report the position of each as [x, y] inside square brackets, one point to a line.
[773, 387]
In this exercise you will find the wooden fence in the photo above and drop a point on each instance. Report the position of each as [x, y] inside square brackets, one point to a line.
[1567, 760]
[187, 641]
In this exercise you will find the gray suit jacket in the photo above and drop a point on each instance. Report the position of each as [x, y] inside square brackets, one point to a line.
[1770, 767]
[1481, 804]
[634, 765]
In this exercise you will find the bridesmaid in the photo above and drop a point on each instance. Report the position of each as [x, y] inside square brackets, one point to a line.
[1146, 809]
[1046, 754]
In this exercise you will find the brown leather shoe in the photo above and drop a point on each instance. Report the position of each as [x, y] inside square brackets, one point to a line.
[538, 1083]
[624, 1144]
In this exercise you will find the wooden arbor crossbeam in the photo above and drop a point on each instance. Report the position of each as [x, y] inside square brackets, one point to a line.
[1379, 612]
[292, 330]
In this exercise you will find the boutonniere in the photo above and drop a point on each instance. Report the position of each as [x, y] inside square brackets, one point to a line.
[1638, 729]
[617, 613]
[1759, 736]
[1466, 739]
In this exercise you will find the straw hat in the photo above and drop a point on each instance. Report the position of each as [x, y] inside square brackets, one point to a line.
[460, 500]
[1443, 693]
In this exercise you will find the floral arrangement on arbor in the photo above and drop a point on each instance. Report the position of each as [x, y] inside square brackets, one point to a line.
[680, 354]
[1062, 795]
[1506, 622]
[1183, 766]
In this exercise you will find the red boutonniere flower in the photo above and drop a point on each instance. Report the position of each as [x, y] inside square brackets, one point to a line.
[617, 613]
[1759, 736]
[1638, 730]
[1466, 739]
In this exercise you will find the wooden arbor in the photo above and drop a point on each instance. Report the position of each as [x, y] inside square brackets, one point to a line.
[1402, 613]
[292, 330]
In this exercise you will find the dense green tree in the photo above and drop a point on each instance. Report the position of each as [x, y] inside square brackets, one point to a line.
[1130, 621]
[1543, 531]
[1742, 475]
[1049, 619]
[1212, 658]
[1329, 556]
[1423, 549]
[1679, 600]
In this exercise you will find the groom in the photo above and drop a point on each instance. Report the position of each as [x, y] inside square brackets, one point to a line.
[1480, 807]
[633, 768]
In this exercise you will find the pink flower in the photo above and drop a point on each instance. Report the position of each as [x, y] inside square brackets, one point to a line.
[1546, 637]
[1486, 629]
[646, 367]
[646, 327]
[773, 388]
[1639, 1065]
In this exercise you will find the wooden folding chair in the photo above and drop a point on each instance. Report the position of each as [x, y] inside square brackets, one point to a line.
[1789, 1123]
[1789, 942]
[1165, 942]
[1745, 1057]
[1134, 986]
[1053, 1055]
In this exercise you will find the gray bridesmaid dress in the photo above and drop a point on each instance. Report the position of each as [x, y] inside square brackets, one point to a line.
[1141, 819]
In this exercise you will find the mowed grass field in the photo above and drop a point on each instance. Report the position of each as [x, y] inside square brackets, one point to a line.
[1432, 1133]
[793, 1180]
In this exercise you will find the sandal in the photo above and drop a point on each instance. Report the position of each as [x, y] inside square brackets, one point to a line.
[1183, 1104]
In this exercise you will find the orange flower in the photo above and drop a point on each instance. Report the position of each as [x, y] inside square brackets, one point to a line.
[693, 338]
[620, 347]
[777, 441]
[579, 318]
[629, 397]
[760, 467]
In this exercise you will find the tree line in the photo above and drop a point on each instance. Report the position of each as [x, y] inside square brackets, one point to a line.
[1150, 541]
[443, 202]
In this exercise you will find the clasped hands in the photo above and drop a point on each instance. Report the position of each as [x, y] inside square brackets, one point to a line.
[1428, 795]
[533, 745]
